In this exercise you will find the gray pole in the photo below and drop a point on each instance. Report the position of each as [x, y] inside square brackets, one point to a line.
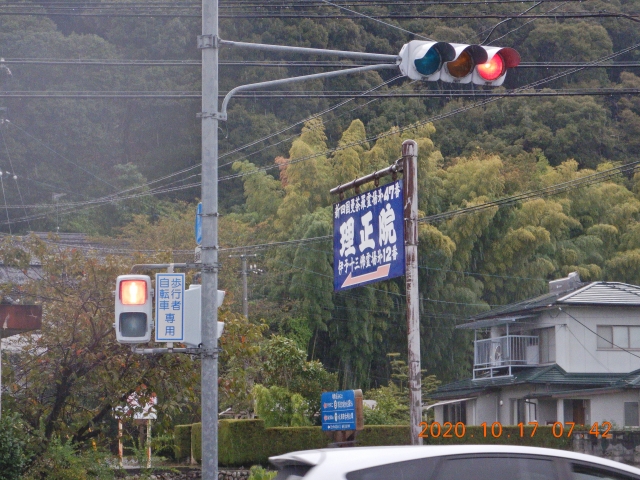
[410, 175]
[245, 295]
[208, 43]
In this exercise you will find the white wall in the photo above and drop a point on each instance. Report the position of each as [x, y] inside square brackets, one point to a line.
[611, 407]
[577, 345]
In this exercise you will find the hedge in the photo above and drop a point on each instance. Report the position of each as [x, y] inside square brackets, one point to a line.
[248, 442]
[196, 442]
[182, 442]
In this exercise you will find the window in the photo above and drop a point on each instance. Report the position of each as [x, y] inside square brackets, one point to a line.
[420, 469]
[496, 468]
[547, 345]
[584, 472]
[631, 418]
[455, 412]
[618, 336]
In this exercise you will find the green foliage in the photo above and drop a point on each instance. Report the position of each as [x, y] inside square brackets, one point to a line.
[278, 406]
[62, 461]
[66, 381]
[246, 442]
[12, 456]
[182, 442]
[196, 441]
[256, 472]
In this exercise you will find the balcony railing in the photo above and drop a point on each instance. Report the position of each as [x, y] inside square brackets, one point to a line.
[496, 356]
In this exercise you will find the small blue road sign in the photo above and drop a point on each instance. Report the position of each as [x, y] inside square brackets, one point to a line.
[338, 410]
[199, 224]
[169, 307]
[368, 237]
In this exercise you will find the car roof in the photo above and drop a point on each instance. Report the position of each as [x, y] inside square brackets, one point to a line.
[364, 457]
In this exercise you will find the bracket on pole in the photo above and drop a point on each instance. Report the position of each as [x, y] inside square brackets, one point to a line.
[217, 115]
[208, 41]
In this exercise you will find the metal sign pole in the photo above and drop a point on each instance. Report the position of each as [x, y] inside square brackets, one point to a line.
[208, 42]
[410, 169]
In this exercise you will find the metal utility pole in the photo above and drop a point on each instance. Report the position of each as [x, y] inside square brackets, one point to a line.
[245, 292]
[208, 42]
[410, 170]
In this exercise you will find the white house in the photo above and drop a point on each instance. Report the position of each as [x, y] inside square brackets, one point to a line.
[572, 355]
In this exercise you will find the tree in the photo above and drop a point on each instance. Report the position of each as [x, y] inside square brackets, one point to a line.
[68, 377]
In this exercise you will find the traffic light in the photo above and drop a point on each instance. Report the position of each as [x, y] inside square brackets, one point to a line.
[456, 62]
[192, 315]
[424, 60]
[494, 70]
[133, 309]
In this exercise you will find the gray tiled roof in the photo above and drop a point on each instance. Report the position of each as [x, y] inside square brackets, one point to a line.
[595, 293]
[552, 375]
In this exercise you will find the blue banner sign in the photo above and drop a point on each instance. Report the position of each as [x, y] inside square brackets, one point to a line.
[338, 410]
[368, 237]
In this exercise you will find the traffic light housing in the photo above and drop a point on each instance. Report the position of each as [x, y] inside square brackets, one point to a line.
[494, 70]
[133, 309]
[424, 60]
[192, 315]
[456, 62]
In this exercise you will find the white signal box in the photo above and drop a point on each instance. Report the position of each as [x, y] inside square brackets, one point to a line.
[133, 309]
[192, 315]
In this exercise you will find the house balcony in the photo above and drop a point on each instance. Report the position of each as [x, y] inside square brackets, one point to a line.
[495, 357]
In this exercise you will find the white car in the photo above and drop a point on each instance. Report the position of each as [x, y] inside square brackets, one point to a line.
[455, 462]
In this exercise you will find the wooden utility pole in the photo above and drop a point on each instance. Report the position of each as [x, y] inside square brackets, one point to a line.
[410, 175]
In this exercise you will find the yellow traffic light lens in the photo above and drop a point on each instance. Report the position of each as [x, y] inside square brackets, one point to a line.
[493, 69]
[461, 66]
[133, 292]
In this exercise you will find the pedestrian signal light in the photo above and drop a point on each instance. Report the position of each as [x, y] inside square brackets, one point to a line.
[133, 309]
[133, 292]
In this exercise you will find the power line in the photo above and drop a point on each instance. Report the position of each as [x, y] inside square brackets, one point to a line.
[543, 192]
[434, 118]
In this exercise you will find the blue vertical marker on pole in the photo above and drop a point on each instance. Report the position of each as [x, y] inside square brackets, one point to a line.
[199, 224]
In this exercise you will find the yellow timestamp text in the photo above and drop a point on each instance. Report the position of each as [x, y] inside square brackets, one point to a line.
[495, 430]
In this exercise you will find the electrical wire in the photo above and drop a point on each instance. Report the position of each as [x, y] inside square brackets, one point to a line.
[598, 335]
[4, 197]
[431, 119]
[15, 177]
[60, 155]
[374, 19]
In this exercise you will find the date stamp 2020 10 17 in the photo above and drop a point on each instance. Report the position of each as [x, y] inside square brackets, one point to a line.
[495, 430]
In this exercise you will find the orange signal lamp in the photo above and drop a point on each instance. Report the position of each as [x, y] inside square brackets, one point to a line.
[133, 292]
[461, 66]
[493, 69]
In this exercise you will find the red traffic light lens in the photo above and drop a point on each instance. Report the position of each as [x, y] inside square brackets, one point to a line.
[133, 292]
[493, 69]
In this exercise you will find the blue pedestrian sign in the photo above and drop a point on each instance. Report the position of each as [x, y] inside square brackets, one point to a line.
[338, 410]
[199, 224]
[368, 237]
[169, 307]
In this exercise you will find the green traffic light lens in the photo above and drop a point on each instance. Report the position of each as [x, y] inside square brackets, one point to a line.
[133, 324]
[430, 63]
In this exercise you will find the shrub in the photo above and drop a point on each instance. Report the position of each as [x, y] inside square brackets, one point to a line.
[196, 442]
[182, 442]
[258, 473]
[12, 459]
[61, 461]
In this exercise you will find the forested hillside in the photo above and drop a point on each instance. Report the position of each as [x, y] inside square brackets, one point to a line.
[102, 137]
